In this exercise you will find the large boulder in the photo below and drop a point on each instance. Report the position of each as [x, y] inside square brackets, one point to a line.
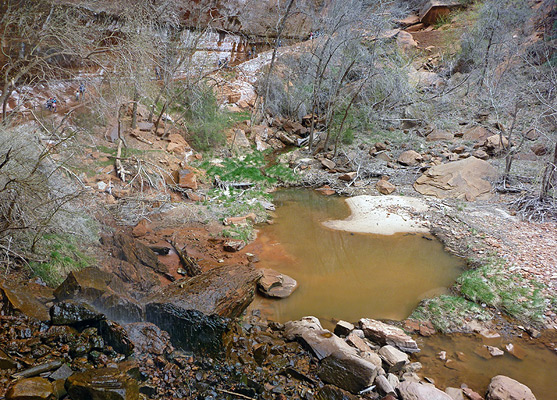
[103, 290]
[101, 384]
[347, 371]
[386, 334]
[410, 158]
[275, 284]
[504, 388]
[31, 389]
[417, 391]
[20, 298]
[464, 179]
[196, 311]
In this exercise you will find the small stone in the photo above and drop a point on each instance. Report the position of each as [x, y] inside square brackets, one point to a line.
[343, 328]
[383, 186]
[394, 358]
[495, 351]
[234, 245]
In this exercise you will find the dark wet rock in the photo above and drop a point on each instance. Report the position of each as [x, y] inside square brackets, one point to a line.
[196, 311]
[343, 328]
[410, 390]
[393, 357]
[64, 372]
[102, 384]
[347, 371]
[30, 389]
[22, 299]
[330, 392]
[6, 362]
[74, 313]
[385, 334]
[102, 290]
[149, 338]
[116, 336]
[59, 334]
[38, 369]
[504, 388]
[275, 284]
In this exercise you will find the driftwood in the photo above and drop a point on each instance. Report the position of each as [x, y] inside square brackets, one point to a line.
[189, 264]
[140, 138]
[119, 167]
[236, 185]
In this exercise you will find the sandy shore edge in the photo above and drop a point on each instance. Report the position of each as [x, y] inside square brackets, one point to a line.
[383, 215]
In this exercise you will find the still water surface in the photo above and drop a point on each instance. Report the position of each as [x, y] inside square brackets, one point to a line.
[345, 275]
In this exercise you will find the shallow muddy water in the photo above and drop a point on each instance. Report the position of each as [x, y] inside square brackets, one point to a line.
[343, 275]
[535, 366]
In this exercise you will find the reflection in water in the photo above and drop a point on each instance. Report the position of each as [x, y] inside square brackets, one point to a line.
[344, 275]
[470, 363]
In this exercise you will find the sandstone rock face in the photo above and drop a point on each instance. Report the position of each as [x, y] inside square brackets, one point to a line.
[417, 391]
[349, 372]
[275, 284]
[504, 388]
[31, 389]
[385, 334]
[102, 383]
[410, 158]
[195, 311]
[464, 179]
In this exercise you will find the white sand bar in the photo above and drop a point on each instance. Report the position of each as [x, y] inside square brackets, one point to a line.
[383, 215]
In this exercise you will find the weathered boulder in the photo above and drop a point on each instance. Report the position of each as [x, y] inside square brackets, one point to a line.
[102, 290]
[495, 144]
[343, 328]
[102, 384]
[476, 134]
[384, 385]
[438, 135]
[383, 186]
[233, 246]
[327, 164]
[464, 179]
[347, 371]
[417, 391]
[504, 388]
[116, 336]
[455, 393]
[393, 357]
[406, 42]
[410, 158]
[294, 329]
[385, 334]
[187, 179]
[31, 389]
[275, 284]
[21, 299]
[195, 311]
[149, 338]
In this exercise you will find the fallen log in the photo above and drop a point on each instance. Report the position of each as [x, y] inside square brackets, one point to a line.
[236, 185]
[189, 264]
[119, 167]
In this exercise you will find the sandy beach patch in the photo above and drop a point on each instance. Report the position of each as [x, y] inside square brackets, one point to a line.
[383, 215]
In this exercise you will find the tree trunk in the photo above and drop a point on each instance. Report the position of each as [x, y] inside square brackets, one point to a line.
[549, 176]
[134, 108]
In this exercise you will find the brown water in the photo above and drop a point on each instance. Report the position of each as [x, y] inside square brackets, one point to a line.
[537, 367]
[343, 275]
